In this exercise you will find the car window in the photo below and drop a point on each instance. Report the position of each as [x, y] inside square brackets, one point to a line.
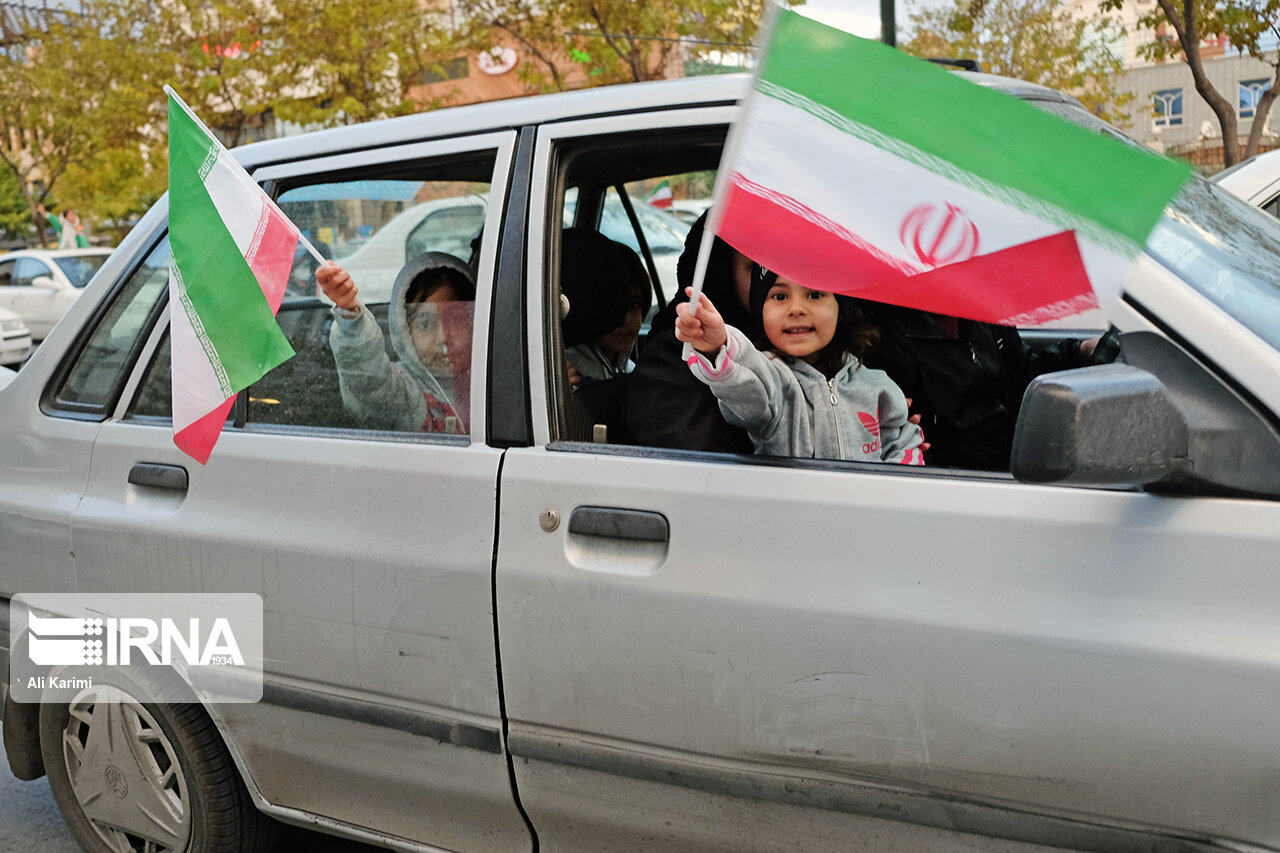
[27, 271]
[602, 177]
[450, 229]
[97, 372]
[394, 368]
[79, 269]
[375, 227]
[6, 272]
[1226, 249]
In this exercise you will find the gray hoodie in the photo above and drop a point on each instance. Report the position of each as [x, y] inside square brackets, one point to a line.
[791, 409]
[404, 395]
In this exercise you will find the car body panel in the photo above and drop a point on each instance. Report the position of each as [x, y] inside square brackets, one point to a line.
[1256, 180]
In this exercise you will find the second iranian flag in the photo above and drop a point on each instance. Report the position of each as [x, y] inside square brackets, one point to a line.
[860, 170]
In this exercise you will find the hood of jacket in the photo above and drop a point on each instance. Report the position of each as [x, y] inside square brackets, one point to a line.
[456, 318]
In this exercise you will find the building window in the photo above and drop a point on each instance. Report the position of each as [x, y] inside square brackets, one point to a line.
[1168, 104]
[1250, 92]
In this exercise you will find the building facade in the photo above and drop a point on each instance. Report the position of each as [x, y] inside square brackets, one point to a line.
[1169, 115]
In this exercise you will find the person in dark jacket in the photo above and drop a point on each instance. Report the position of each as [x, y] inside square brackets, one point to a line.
[666, 405]
[965, 379]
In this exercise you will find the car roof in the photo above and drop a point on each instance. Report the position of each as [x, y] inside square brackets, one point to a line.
[54, 253]
[518, 112]
[1250, 178]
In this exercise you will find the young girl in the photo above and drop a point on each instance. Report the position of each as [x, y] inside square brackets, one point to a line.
[808, 394]
[429, 324]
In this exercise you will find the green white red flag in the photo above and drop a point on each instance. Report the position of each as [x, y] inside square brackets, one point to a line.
[661, 195]
[231, 250]
[895, 180]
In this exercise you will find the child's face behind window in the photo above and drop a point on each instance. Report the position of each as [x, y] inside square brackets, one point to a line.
[798, 321]
[427, 331]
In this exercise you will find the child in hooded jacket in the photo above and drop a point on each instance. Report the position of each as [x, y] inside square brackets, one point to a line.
[808, 393]
[429, 323]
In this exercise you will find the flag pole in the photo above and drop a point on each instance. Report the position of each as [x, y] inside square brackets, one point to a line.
[727, 156]
[302, 238]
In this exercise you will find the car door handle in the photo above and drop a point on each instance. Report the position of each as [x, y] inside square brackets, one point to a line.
[616, 523]
[156, 476]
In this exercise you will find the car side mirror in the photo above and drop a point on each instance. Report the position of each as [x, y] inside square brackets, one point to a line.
[1105, 425]
[1161, 420]
[44, 281]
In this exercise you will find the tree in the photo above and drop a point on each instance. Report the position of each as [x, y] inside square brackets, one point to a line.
[1038, 40]
[344, 62]
[599, 42]
[69, 93]
[1245, 23]
[15, 219]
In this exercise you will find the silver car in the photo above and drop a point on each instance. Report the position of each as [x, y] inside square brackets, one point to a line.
[519, 638]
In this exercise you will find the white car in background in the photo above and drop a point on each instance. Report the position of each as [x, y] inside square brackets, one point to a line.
[40, 285]
[452, 224]
[1256, 180]
[15, 339]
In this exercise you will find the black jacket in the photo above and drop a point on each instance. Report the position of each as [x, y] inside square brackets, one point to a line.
[666, 405]
[967, 390]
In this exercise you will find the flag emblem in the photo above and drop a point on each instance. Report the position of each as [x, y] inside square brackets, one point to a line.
[939, 234]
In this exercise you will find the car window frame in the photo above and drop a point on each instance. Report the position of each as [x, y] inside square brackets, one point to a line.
[50, 404]
[550, 425]
[302, 171]
[543, 226]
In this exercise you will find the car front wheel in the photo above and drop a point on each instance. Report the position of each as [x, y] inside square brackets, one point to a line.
[139, 776]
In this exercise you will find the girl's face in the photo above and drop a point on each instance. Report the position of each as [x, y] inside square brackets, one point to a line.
[426, 330]
[798, 321]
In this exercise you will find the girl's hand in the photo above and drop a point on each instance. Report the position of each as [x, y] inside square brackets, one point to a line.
[704, 331]
[336, 284]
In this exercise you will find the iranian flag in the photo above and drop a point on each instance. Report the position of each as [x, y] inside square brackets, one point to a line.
[661, 195]
[231, 250]
[898, 181]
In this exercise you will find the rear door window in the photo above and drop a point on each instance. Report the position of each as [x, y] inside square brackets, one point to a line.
[396, 368]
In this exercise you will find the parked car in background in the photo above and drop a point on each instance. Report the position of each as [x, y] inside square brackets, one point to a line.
[15, 339]
[1256, 180]
[529, 634]
[41, 284]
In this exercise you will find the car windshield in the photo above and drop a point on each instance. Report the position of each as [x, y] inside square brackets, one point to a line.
[1223, 247]
[80, 268]
[1226, 249]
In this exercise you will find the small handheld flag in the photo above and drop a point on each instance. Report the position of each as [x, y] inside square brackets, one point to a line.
[859, 170]
[231, 250]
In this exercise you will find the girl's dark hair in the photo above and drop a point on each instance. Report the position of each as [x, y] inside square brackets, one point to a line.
[421, 288]
[431, 271]
[855, 333]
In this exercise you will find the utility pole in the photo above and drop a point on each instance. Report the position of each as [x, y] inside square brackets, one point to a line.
[888, 25]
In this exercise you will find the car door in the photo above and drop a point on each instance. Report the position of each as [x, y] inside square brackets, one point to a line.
[371, 547]
[705, 651]
[40, 304]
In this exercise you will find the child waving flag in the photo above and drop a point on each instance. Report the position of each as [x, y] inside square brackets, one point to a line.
[897, 181]
[230, 253]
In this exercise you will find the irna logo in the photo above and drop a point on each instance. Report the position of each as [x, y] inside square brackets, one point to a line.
[57, 641]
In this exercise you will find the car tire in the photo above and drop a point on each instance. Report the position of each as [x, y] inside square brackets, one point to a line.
[154, 776]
